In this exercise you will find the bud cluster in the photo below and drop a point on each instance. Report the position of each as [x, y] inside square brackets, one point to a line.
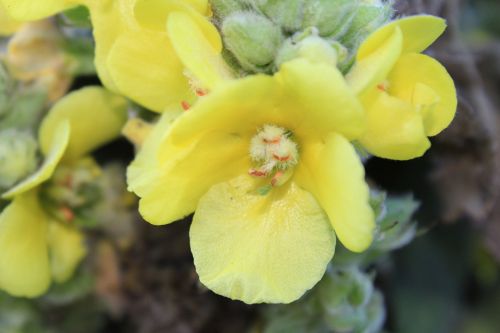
[73, 192]
[260, 35]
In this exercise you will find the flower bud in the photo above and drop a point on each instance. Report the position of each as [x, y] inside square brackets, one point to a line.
[224, 8]
[369, 16]
[5, 87]
[17, 157]
[252, 39]
[287, 14]
[313, 48]
[330, 17]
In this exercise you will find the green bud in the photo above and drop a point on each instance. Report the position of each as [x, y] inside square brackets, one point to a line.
[223, 8]
[369, 16]
[287, 14]
[5, 91]
[25, 109]
[18, 157]
[375, 314]
[331, 17]
[313, 48]
[253, 40]
[396, 228]
[345, 287]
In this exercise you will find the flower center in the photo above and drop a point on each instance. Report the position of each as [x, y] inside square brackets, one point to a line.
[274, 154]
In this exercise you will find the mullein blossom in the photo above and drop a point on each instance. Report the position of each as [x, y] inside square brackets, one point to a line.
[266, 165]
[37, 246]
[35, 55]
[135, 53]
[408, 96]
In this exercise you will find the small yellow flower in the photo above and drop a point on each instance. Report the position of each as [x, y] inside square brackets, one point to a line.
[35, 54]
[408, 96]
[35, 246]
[266, 165]
[136, 42]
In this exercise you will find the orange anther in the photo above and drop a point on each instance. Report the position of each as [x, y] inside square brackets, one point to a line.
[257, 173]
[281, 158]
[382, 87]
[275, 140]
[67, 213]
[185, 105]
[200, 92]
[276, 178]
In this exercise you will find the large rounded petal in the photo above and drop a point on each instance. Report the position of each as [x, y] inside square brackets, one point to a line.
[29, 10]
[308, 99]
[55, 151]
[24, 261]
[374, 61]
[179, 175]
[66, 249]
[395, 129]
[257, 248]
[240, 107]
[145, 68]
[319, 99]
[333, 172]
[204, 62]
[419, 32]
[413, 69]
[96, 116]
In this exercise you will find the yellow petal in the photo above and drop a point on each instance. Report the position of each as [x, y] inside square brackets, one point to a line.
[333, 173]
[256, 248]
[144, 169]
[173, 179]
[375, 59]
[109, 19]
[308, 99]
[419, 31]
[145, 68]
[154, 14]
[201, 6]
[66, 250]
[55, 150]
[29, 10]
[24, 262]
[8, 25]
[96, 117]
[196, 52]
[413, 69]
[239, 107]
[318, 98]
[395, 129]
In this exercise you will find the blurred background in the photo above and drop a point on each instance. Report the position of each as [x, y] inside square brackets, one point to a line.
[141, 278]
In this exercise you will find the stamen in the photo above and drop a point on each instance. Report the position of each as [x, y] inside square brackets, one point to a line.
[281, 158]
[67, 213]
[257, 173]
[275, 153]
[185, 105]
[200, 92]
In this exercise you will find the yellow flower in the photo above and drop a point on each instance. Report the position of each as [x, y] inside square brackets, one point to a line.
[135, 53]
[266, 164]
[35, 246]
[35, 53]
[408, 96]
